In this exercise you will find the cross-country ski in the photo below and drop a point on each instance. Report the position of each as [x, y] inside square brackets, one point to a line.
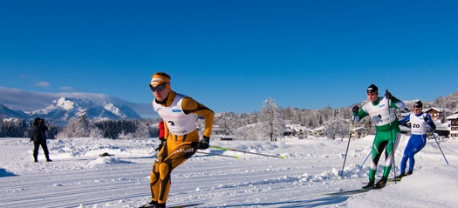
[349, 192]
[174, 206]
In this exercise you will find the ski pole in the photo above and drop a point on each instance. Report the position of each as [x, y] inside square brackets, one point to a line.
[254, 153]
[366, 158]
[432, 132]
[393, 148]
[348, 145]
[209, 153]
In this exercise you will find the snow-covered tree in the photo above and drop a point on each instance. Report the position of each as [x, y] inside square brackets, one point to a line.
[228, 122]
[77, 127]
[249, 132]
[142, 130]
[336, 127]
[14, 128]
[270, 120]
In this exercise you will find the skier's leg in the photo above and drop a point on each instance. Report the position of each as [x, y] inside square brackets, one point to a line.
[377, 149]
[176, 158]
[406, 156]
[392, 143]
[154, 176]
[153, 181]
[418, 144]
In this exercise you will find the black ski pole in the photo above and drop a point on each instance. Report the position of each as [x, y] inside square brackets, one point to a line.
[348, 145]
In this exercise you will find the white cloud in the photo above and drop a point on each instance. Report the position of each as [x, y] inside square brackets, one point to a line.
[66, 88]
[42, 84]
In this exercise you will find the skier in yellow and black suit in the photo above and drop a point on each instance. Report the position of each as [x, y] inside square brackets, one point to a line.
[179, 114]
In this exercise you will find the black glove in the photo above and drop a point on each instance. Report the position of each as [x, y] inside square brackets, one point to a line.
[406, 124]
[204, 143]
[388, 95]
[355, 109]
[161, 144]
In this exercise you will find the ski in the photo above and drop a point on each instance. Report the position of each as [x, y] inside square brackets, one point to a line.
[392, 180]
[349, 192]
[147, 205]
[173, 206]
[187, 205]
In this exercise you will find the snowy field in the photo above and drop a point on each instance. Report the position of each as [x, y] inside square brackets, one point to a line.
[78, 177]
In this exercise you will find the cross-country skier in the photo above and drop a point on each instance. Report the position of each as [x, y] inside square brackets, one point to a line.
[382, 112]
[179, 114]
[419, 122]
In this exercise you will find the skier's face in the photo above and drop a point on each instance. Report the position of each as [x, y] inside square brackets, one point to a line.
[417, 111]
[372, 97]
[160, 92]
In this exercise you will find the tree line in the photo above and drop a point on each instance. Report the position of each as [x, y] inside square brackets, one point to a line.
[82, 127]
[267, 124]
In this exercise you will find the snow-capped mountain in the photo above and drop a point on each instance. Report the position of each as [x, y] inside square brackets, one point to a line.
[9, 113]
[63, 109]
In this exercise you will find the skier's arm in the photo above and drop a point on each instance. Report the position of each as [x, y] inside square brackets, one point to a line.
[430, 121]
[404, 120]
[359, 115]
[396, 103]
[189, 105]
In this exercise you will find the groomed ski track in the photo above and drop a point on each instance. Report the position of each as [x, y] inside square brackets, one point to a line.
[79, 178]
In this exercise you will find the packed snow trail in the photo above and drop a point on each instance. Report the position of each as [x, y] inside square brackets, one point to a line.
[78, 177]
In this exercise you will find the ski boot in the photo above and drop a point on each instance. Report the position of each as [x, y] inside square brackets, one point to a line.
[380, 184]
[401, 175]
[369, 185]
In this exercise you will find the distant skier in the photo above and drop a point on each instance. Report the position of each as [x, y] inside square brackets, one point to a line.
[382, 112]
[419, 123]
[179, 113]
[38, 137]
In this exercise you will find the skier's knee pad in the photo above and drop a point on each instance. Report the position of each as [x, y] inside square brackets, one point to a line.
[164, 170]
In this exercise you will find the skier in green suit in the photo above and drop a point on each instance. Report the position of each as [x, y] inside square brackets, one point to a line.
[382, 112]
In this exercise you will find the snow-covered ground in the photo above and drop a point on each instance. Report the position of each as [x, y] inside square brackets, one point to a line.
[78, 177]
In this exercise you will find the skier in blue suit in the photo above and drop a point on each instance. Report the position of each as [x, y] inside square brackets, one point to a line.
[419, 125]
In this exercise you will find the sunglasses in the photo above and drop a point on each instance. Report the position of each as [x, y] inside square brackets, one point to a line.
[158, 88]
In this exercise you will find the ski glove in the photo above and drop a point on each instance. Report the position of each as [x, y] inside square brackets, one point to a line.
[430, 123]
[355, 109]
[426, 119]
[204, 143]
[388, 95]
[161, 144]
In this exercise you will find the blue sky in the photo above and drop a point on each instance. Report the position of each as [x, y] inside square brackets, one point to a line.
[231, 55]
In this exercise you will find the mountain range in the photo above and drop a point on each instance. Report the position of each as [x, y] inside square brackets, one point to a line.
[17, 103]
[61, 110]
